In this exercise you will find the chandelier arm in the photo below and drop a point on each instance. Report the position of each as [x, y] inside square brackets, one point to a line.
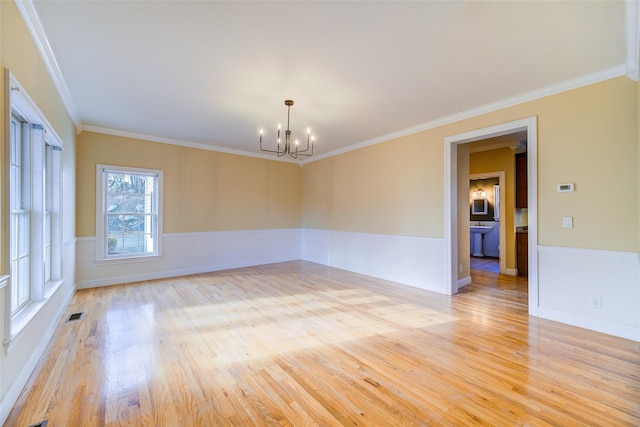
[303, 153]
[270, 151]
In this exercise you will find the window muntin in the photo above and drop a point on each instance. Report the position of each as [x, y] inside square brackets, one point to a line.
[130, 212]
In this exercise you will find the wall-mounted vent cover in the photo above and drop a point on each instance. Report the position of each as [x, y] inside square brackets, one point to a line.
[40, 424]
[75, 316]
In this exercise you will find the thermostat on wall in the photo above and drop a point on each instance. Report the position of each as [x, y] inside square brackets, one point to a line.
[565, 188]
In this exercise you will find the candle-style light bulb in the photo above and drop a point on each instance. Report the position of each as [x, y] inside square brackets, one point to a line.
[308, 131]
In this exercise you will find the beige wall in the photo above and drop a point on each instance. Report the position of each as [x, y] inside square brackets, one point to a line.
[588, 136]
[203, 190]
[390, 188]
[494, 161]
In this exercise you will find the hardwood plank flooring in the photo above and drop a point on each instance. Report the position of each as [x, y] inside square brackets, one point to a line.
[300, 344]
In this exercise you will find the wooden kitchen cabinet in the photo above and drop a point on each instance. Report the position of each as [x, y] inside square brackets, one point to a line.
[521, 180]
[522, 253]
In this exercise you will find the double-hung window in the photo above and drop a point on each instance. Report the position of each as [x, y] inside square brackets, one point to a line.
[34, 165]
[128, 213]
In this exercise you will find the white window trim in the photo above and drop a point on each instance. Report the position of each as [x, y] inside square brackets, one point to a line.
[101, 246]
[21, 105]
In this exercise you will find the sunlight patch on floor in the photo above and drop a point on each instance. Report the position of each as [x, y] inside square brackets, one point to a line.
[241, 331]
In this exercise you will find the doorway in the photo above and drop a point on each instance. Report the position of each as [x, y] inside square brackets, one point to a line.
[497, 215]
[528, 125]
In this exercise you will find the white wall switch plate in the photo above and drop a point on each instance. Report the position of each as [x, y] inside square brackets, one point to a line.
[567, 222]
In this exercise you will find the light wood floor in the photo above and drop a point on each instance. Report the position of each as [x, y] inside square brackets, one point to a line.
[302, 344]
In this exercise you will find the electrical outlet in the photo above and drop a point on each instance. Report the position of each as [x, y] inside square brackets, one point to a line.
[460, 268]
[595, 301]
[567, 222]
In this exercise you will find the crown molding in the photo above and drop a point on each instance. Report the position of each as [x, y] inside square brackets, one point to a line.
[31, 19]
[182, 143]
[599, 76]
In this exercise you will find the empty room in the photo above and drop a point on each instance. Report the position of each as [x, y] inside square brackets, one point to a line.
[307, 213]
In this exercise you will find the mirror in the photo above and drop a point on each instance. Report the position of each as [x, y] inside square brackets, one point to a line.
[479, 206]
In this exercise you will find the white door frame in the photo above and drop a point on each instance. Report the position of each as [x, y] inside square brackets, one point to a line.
[450, 199]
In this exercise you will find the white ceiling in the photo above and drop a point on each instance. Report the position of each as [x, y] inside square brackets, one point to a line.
[214, 72]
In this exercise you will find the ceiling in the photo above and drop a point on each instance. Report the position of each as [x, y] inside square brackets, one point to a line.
[212, 73]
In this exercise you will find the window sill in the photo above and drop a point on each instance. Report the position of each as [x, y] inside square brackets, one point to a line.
[20, 322]
[128, 260]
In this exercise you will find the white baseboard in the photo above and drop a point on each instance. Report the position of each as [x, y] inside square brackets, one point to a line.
[464, 282]
[622, 331]
[511, 271]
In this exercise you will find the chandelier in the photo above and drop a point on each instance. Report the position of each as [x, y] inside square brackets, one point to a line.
[292, 149]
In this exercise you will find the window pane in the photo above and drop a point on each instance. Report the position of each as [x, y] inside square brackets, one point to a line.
[14, 236]
[23, 234]
[14, 285]
[132, 203]
[47, 265]
[114, 245]
[15, 142]
[132, 224]
[15, 188]
[131, 244]
[47, 247]
[114, 202]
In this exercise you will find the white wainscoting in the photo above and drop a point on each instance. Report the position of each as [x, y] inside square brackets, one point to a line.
[414, 261]
[569, 278]
[191, 253]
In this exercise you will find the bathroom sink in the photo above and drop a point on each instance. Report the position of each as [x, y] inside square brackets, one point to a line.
[482, 229]
[478, 231]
